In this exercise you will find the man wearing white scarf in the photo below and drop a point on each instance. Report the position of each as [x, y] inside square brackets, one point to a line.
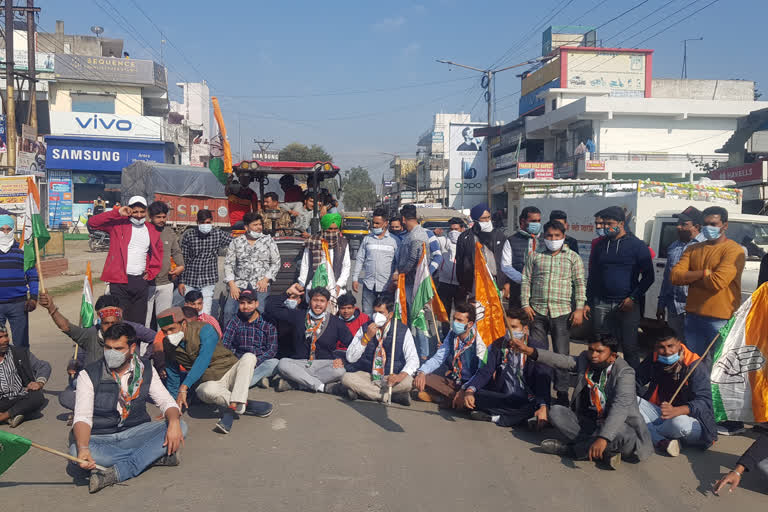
[18, 288]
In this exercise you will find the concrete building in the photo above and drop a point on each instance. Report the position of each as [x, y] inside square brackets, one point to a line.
[189, 124]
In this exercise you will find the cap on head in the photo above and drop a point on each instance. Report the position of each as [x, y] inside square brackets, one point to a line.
[137, 200]
[248, 294]
[690, 214]
[170, 316]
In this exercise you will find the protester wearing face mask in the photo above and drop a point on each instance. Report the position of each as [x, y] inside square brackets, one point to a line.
[396, 229]
[448, 281]
[442, 376]
[375, 260]
[248, 333]
[111, 420]
[602, 421]
[621, 271]
[252, 261]
[291, 300]
[338, 251]
[492, 241]
[510, 388]
[21, 389]
[160, 296]
[690, 419]
[516, 251]
[350, 314]
[135, 256]
[200, 248]
[553, 296]
[316, 363]
[18, 288]
[370, 355]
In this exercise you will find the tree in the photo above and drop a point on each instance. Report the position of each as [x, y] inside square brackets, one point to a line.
[359, 191]
[297, 152]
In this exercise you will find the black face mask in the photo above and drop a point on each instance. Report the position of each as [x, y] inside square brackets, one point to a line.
[601, 366]
[244, 316]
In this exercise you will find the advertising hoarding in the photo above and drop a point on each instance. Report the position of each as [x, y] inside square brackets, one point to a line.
[536, 170]
[624, 73]
[59, 199]
[109, 69]
[106, 125]
[468, 167]
[100, 154]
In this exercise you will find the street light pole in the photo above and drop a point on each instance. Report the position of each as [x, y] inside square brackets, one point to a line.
[684, 73]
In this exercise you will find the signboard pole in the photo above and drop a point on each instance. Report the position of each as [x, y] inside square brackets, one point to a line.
[31, 65]
[10, 103]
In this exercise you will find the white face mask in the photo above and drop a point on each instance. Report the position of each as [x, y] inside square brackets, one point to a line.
[6, 241]
[554, 245]
[486, 227]
[205, 228]
[138, 222]
[253, 235]
[453, 236]
[379, 319]
[175, 338]
[114, 358]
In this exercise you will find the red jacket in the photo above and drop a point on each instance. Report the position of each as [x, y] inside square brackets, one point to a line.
[354, 325]
[119, 229]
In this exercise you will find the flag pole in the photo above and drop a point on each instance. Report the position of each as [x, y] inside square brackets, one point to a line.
[434, 322]
[62, 454]
[39, 267]
[693, 368]
[392, 359]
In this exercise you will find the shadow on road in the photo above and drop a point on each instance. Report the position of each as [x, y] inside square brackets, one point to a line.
[376, 412]
[706, 468]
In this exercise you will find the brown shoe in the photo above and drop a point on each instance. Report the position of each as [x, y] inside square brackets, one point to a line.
[421, 396]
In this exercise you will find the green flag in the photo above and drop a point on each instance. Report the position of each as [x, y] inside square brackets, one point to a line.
[34, 227]
[216, 166]
[12, 447]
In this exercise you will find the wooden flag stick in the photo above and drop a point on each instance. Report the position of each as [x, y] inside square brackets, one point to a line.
[39, 267]
[65, 455]
[434, 322]
[693, 368]
[392, 359]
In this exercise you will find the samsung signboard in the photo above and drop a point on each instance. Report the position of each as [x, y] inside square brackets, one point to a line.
[90, 154]
[106, 125]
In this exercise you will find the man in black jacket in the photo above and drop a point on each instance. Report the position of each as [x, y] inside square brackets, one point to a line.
[516, 250]
[320, 339]
[492, 241]
[690, 418]
[510, 388]
[22, 377]
[754, 459]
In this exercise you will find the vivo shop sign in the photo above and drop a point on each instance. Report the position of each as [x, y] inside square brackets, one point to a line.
[106, 125]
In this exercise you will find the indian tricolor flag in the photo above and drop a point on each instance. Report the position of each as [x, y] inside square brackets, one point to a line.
[401, 305]
[35, 234]
[491, 326]
[739, 377]
[323, 277]
[86, 304]
[424, 293]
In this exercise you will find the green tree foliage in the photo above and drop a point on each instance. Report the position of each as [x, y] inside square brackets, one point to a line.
[359, 191]
[297, 152]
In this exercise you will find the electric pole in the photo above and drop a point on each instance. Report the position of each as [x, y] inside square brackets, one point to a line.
[684, 73]
[10, 105]
[487, 83]
[31, 65]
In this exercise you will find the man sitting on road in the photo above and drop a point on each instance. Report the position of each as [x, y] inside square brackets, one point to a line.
[603, 421]
[371, 351]
[248, 333]
[223, 379]
[454, 363]
[112, 427]
[519, 388]
[194, 299]
[315, 365]
[350, 314]
[277, 220]
[22, 377]
[690, 418]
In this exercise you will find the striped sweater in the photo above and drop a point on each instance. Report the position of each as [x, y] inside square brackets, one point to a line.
[14, 282]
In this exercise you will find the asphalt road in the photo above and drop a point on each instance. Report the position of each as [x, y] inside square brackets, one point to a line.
[318, 452]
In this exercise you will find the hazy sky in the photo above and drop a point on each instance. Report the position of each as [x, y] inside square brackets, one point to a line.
[360, 78]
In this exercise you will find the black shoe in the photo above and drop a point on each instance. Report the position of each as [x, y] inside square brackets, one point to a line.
[224, 425]
[612, 460]
[730, 428]
[101, 479]
[257, 408]
[351, 395]
[555, 447]
[403, 398]
[562, 399]
[167, 460]
[334, 388]
[283, 385]
[479, 416]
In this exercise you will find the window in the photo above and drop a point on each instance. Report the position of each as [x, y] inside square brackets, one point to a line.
[93, 103]
[668, 235]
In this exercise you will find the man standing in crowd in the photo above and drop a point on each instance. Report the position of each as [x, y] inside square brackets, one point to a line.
[603, 421]
[492, 241]
[620, 273]
[252, 261]
[516, 250]
[161, 293]
[350, 314]
[519, 387]
[562, 217]
[396, 229]
[223, 378]
[712, 270]
[248, 333]
[305, 213]
[338, 252]
[112, 426]
[448, 280]
[316, 364]
[18, 291]
[371, 351]
[22, 377]
[135, 256]
[454, 363]
[200, 248]
[690, 418]
[277, 220]
[672, 298]
[375, 260]
[553, 281]
[241, 198]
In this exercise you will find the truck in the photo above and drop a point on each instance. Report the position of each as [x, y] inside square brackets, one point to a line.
[650, 207]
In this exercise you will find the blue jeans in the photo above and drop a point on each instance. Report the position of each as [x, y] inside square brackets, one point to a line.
[14, 313]
[266, 369]
[607, 319]
[369, 297]
[684, 428]
[231, 306]
[207, 292]
[130, 451]
[699, 331]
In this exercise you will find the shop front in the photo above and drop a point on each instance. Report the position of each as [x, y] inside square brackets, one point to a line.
[92, 167]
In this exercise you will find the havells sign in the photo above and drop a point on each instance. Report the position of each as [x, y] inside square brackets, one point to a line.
[106, 125]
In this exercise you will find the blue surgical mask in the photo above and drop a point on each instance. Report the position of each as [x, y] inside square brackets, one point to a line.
[377, 231]
[669, 359]
[534, 228]
[600, 232]
[710, 232]
[205, 228]
[518, 335]
[315, 316]
[458, 327]
[291, 303]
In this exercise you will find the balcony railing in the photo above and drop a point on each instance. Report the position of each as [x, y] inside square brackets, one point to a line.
[656, 157]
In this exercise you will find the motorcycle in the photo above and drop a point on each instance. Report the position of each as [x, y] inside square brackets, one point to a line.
[98, 240]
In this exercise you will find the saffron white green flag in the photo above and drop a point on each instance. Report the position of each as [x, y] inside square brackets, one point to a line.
[739, 380]
[34, 227]
[324, 277]
[422, 292]
[401, 306]
[86, 304]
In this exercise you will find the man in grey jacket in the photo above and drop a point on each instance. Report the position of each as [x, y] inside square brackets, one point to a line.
[603, 421]
[22, 377]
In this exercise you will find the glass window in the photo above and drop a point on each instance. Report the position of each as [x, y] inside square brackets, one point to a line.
[752, 236]
[92, 103]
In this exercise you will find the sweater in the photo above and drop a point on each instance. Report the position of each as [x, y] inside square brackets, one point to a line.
[14, 281]
[719, 294]
[619, 268]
